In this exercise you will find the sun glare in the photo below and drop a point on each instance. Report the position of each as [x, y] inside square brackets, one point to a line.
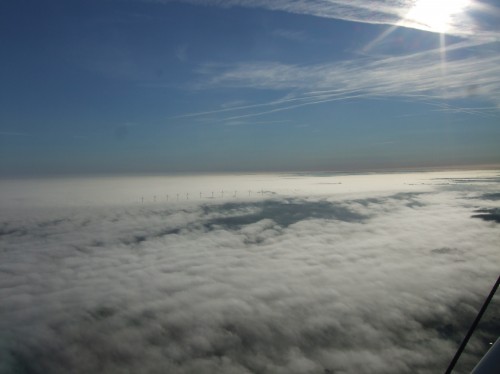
[436, 15]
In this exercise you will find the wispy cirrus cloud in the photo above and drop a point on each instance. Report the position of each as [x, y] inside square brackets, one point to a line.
[424, 76]
[388, 12]
[468, 68]
[408, 74]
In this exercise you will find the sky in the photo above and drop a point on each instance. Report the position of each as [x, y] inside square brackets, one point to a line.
[321, 273]
[150, 87]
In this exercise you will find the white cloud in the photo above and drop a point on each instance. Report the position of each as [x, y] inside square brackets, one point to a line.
[390, 12]
[421, 76]
[449, 72]
[372, 282]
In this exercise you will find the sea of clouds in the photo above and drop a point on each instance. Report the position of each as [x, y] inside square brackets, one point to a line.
[314, 274]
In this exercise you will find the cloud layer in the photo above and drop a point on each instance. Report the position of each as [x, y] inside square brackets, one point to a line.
[379, 283]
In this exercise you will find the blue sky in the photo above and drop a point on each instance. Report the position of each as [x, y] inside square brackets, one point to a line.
[134, 87]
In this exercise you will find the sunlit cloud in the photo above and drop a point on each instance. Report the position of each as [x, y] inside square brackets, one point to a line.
[447, 72]
[452, 17]
[437, 16]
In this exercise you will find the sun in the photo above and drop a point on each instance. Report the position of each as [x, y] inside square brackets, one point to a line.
[436, 15]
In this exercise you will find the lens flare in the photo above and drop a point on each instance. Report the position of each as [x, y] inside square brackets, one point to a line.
[435, 15]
